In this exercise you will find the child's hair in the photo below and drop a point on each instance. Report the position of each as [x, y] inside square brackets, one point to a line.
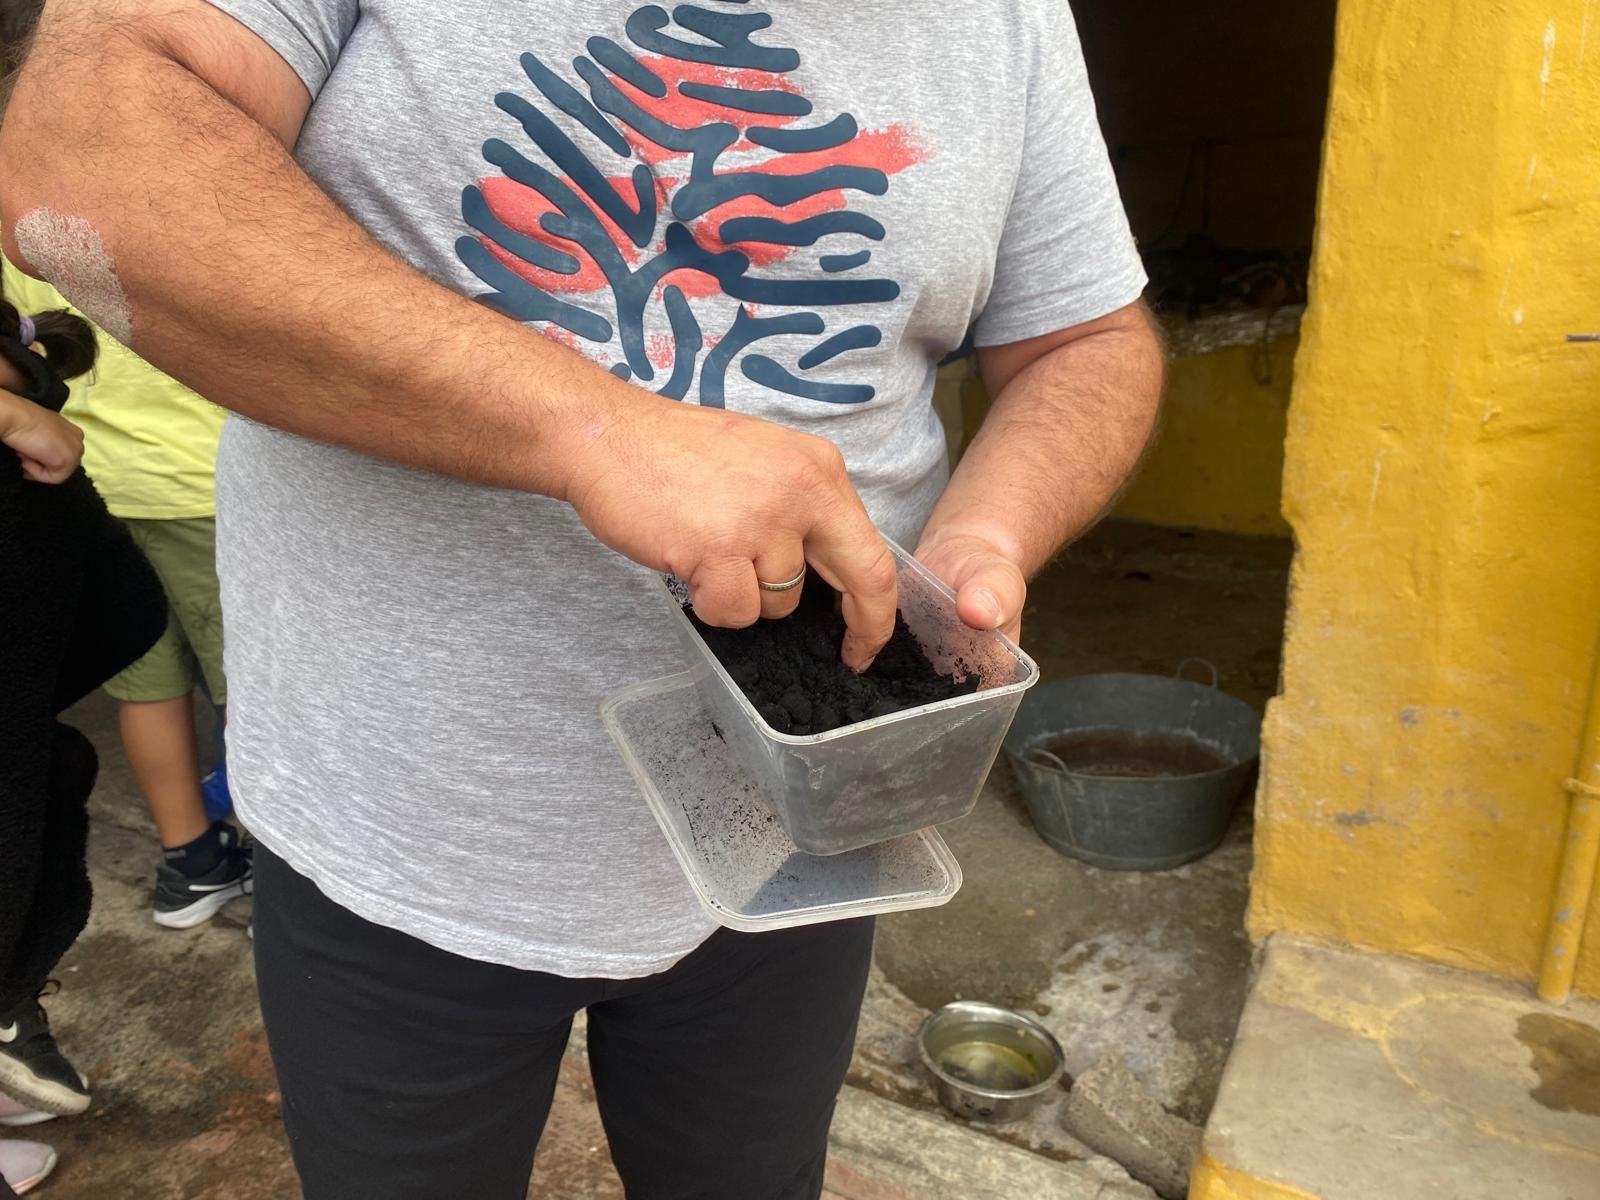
[68, 340]
[17, 20]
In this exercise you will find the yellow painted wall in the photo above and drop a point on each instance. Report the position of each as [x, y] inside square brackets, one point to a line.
[1218, 461]
[1213, 114]
[1443, 481]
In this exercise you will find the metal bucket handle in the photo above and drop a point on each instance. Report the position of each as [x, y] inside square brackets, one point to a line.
[1038, 756]
[1049, 757]
[1204, 662]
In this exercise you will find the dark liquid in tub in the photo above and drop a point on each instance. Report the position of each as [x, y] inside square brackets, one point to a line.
[1119, 754]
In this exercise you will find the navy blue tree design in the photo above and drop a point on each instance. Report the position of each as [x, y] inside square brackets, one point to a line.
[723, 182]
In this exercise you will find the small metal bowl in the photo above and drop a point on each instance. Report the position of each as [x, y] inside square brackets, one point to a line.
[989, 1063]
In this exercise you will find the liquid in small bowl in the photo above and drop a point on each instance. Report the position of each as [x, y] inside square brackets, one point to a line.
[990, 1066]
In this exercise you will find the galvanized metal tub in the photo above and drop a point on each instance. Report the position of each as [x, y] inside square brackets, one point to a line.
[1150, 823]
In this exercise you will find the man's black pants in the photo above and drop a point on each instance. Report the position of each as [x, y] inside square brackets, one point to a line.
[408, 1071]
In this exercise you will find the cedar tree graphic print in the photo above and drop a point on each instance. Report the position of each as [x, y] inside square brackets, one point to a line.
[733, 174]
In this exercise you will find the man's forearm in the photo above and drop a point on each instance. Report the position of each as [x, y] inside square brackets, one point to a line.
[186, 220]
[1058, 445]
[1065, 431]
[143, 168]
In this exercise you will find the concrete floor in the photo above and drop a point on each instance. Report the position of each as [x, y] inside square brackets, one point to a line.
[1151, 966]
[1406, 1079]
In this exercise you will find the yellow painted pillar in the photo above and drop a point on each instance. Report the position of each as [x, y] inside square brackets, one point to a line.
[1212, 1180]
[1443, 484]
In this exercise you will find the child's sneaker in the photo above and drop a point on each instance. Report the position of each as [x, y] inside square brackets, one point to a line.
[24, 1165]
[32, 1068]
[183, 901]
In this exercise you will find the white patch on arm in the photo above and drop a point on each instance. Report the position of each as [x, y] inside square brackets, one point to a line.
[71, 254]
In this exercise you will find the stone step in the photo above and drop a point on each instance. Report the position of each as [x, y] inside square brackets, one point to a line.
[885, 1151]
[1358, 1076]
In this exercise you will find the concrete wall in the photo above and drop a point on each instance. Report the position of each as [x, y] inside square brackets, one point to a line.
[1443, 482]
[1218, 462]
[1243, 81]
[1213, 112]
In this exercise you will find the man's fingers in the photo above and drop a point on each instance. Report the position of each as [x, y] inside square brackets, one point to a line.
[851, 554]
[781, 567]
[727, 496]
[990, 588]
[991, 593]
[724, 593]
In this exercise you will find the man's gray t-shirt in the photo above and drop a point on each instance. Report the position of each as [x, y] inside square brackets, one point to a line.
[789, 209]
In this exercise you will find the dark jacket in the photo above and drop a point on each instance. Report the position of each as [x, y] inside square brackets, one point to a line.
[78, 603]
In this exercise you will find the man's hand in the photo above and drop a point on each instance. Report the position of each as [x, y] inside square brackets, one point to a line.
[723, 501]
[984, 571]
[49, 445]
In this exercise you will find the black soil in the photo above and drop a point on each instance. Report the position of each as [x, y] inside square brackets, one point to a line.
[791, 670]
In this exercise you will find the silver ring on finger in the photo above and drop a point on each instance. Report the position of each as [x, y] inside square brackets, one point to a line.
[787, 586]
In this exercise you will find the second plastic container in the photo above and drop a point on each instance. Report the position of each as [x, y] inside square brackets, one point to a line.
[877, 779]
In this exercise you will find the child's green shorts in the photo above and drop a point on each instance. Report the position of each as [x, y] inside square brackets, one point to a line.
[184, 554]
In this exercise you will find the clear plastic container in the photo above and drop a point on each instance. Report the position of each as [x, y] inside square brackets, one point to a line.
[889, 776]
[744, 868]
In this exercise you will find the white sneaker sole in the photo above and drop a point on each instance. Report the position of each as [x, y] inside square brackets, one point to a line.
[204, 908]
[32, 1181]
[23, 1086]
[21, 1120]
